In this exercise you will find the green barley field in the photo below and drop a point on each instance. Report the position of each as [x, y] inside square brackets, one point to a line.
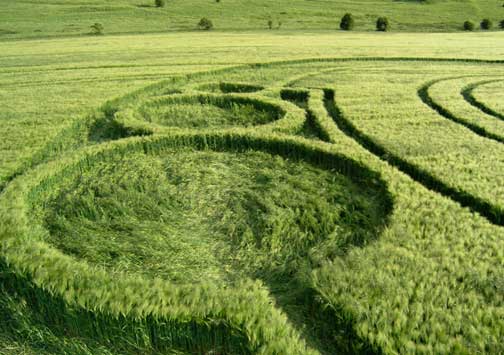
[302, 190]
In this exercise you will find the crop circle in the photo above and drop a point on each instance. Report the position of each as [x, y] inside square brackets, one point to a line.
[210, 111]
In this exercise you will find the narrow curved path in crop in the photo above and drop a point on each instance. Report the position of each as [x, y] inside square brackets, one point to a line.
[492, 213]
[426, 97]
[468, 94]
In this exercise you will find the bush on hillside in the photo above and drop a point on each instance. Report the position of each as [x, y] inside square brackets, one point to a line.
[347, 22]
[205, 24]
[159, 3]
[469, 26]
[97, 29]
[486, 24]
[501, 24]
[270, 24]
[382, 24]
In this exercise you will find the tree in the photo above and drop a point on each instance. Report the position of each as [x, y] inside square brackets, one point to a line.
[160, 3]
[382, 24]
[347, 22]
[501, 24]
[486, 24]
[97, 29]
[469, 26]
[205, 24]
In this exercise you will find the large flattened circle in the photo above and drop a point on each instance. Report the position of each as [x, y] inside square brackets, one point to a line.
[128, 207]
[195, 212]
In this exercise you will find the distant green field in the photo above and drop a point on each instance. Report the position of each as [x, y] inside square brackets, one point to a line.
[21, 19]
[252, 193]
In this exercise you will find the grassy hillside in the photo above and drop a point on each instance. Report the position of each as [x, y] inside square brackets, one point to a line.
[25, 18]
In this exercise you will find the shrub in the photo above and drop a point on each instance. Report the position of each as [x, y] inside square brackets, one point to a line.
[159, 3]
[205, 24]
[347, 22]
[97, 29]
[382, 24]
[486, 24]
[469, 26]
[501, 24]
[270, 24]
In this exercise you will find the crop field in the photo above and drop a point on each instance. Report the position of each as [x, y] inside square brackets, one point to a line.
[256, 194]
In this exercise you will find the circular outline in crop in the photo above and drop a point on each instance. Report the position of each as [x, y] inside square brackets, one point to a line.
[287, 117]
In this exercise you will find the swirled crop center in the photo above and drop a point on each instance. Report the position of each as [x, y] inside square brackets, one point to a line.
[209, 111]
[190, 215]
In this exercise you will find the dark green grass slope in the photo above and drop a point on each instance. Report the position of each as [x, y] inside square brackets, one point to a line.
[29, 18]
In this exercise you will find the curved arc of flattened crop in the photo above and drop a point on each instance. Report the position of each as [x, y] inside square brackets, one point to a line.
[294, 61]
[376, 59]
[468, 95]
[424, 95]
[301, 98]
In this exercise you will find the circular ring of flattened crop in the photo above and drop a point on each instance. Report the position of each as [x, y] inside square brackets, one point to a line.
[211, 111]
[243, 312]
